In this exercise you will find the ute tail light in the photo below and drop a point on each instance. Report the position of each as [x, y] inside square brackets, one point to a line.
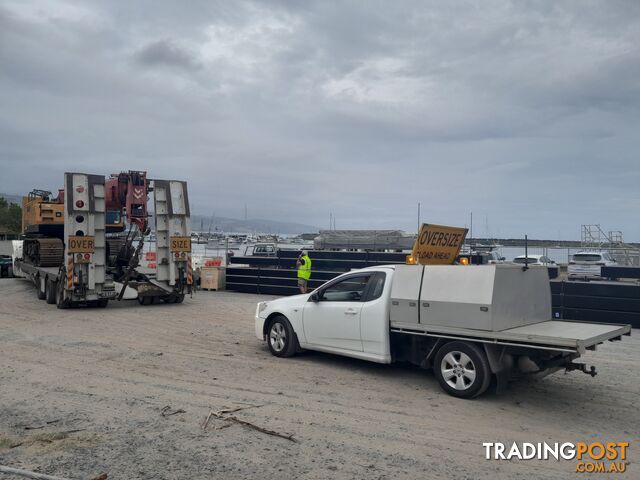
[76, 279]
[87, 256]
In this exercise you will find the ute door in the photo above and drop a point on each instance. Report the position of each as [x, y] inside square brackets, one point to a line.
[334, 319]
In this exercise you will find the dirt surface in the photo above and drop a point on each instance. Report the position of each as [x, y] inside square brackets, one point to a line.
[82, 393]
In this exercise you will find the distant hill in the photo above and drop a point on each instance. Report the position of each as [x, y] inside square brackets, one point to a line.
[227, 225]
[17, 199]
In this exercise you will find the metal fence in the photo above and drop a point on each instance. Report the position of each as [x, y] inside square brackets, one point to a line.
[563, 255]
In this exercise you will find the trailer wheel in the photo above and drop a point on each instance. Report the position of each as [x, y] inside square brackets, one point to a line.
[41, 294]
[281, 339]
[102, 303]
[462, 369]
[61, 302]
[145, 300]
[50, 291]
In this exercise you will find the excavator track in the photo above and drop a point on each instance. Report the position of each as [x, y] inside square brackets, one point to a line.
[44, 252]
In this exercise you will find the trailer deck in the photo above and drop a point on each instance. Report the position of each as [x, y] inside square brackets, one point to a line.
[27, 268]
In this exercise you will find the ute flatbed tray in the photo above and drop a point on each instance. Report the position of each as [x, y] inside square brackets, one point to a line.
[550, 335]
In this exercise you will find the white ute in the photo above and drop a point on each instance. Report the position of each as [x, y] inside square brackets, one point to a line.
[469, 323]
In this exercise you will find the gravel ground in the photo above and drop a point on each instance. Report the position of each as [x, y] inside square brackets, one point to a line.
[82, 393]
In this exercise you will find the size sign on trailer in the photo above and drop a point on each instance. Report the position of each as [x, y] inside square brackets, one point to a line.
[83, 244]
[181, 244]
[438, 244]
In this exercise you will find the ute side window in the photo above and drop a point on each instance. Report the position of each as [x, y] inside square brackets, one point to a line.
[350, 289]
[376, 286]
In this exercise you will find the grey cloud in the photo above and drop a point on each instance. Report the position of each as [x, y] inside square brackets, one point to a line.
[511, 109]
[167, 53]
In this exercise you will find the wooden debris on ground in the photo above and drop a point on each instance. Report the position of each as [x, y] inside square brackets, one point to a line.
[223, 415]
[166, 411]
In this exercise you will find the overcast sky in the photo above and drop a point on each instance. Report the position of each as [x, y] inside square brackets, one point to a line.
[526, 113]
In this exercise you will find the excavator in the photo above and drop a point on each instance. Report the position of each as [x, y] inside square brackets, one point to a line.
[98, 225]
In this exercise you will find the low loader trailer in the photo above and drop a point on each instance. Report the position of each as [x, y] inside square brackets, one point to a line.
[76, 251]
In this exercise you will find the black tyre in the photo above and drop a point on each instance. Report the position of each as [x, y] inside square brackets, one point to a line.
[50, 291]
[61, 301]
[462, 369]
[281, 338]
[179, 298]
[144, 300]
[102, 303]
[41, 294]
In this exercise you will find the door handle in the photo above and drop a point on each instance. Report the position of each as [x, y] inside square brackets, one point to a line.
[350, 311]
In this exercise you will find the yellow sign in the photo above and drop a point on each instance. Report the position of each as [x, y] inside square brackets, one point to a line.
[81, 244]
[181, 244]
[438, 244]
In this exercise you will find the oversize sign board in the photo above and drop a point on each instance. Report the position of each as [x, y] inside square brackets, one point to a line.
[438, 244]
[78, 244]
[181, 244]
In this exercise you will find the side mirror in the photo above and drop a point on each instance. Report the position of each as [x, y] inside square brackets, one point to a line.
[314, 297]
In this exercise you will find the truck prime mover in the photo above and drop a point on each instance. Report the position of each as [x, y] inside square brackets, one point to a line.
[468, 323]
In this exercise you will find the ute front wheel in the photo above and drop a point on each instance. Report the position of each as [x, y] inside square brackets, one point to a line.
[462, 369]
[281, 338]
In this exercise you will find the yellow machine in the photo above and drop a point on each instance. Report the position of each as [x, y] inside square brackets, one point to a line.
[43, 228]
[41, 213]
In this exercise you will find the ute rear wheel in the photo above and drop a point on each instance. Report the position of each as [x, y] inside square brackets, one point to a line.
[462, 369]
[179, 298]
[281, 338]
[50, 291]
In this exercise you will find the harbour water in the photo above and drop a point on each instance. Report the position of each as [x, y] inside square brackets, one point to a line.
[216, 250]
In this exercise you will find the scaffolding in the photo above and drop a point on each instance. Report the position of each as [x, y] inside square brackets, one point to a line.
[594, 238]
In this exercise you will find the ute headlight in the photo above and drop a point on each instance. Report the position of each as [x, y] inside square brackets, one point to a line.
[262, 306]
